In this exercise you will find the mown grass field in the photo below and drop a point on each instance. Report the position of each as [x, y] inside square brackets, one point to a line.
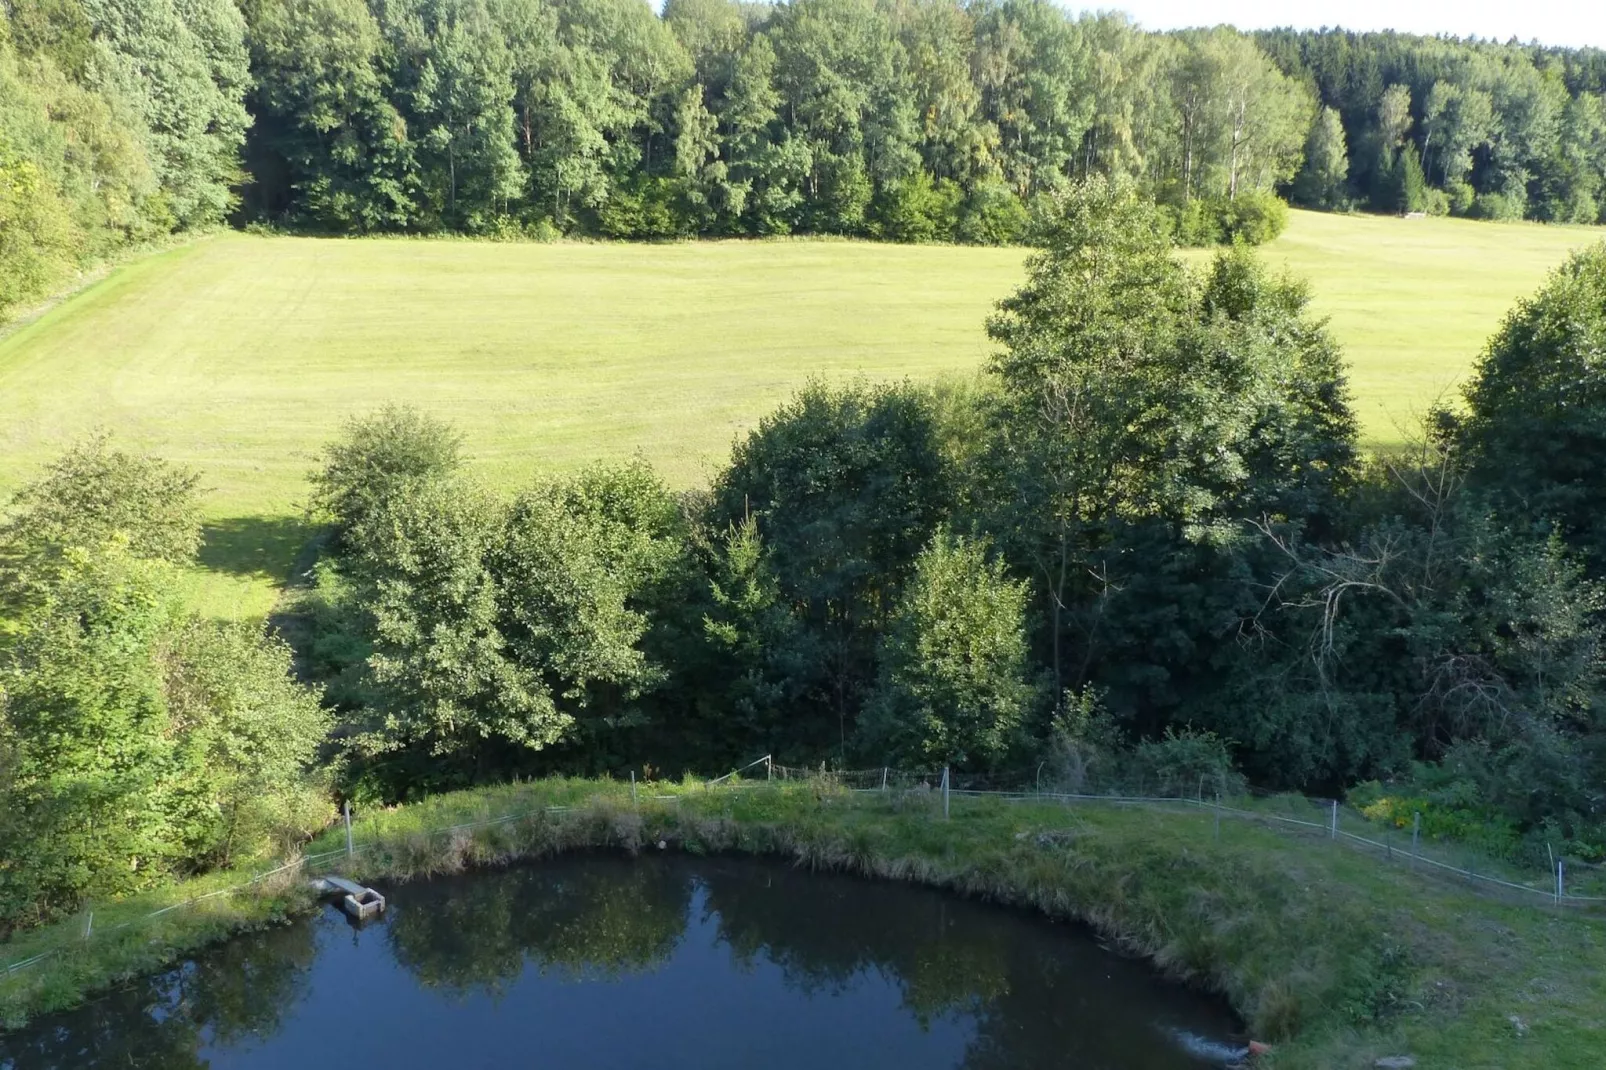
[240, 354]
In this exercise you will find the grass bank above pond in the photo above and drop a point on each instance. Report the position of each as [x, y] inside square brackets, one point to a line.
[1335, 958]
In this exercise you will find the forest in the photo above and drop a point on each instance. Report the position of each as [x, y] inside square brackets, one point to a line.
[124, 121]
[1142, 544]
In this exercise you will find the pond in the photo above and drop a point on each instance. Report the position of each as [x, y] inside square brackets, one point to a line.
[665, 961]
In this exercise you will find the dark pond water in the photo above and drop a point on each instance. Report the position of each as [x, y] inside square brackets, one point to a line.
[666, 962]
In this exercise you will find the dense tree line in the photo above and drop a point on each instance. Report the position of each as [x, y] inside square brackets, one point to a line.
[1144, 540]
[905, 119]
[120, 121]
[1496, 131]
[910, 120]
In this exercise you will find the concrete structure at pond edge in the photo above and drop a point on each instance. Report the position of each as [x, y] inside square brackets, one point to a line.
[358, 902]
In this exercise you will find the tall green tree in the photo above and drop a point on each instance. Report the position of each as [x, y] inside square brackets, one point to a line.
[1534, 427]
[1031, 67]
[846, 485]
[322, 105]
[184, 66]
[844, 78]
[1322, 182]
[455, 76]
[954, 685]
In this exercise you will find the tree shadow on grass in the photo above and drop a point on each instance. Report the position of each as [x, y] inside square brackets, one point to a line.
[258, 547]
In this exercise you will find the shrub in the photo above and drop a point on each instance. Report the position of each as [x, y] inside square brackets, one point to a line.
[643, 208]
[1498, 207]
[1184, 761]
[95, 493]
[1461, 196]
[993, 215]
[1251, 218]
[954, 684]
[916, 209]
[378, 458]
[1254, 217]
[1199, 224]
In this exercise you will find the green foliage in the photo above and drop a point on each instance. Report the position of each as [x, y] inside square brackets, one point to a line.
[1184, 762]
[499, 630]
[846, 485]
[1251, 218]
[916, 209]
[183, 66]
[38, 241]
[1254, 217]
[1534, 427]
[1324, 181]
[250, 733]
[96, 494]
[321, 106]
[992, 215]
[133, 744]
[87, 736]
[378, 459]
[954, 685]
[1496, 206]
[752, 665]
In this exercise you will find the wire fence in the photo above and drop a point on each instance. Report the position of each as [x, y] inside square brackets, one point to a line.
[1562, 881]
[1569, 883]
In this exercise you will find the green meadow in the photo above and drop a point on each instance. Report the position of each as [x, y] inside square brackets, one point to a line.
[239, 354]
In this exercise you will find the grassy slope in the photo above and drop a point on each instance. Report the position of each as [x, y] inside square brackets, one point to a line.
[240, 354]
[1413, 300]
[1306, 938]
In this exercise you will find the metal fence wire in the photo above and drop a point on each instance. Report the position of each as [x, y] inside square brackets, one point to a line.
[1564, 881]
[1567, 883]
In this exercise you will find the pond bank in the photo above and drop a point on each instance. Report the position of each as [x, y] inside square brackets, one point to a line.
[1337, 961]
[711, 960]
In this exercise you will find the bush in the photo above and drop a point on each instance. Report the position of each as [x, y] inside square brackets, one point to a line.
[1254, 217]
[1184, 762]
[955, 674]
[643, 208]
[916, 209]
[1435, 202]
[1461, 196]
[1497, 207]
[95, 493]
[1198, 224]
[379, 458]
[993, 215]
[1251, 218]
[133, 744]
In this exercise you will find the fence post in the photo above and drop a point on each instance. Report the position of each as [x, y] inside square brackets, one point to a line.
[346, 810]
[89, 925]
[1218, 815]
[633, 787]
[1335, 819]
[945, 793]
[1416, 835]
[883, 778]
[1561, 880]
[769, 767]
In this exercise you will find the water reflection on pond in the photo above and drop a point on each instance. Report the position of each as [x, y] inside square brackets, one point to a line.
[670, 962]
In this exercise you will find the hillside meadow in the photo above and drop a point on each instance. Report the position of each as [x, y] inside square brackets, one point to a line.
[240, 354]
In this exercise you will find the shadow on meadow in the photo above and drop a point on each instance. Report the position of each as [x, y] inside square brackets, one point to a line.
[256, 547]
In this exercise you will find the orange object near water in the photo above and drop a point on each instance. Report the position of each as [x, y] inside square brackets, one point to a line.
[1257, 1048]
